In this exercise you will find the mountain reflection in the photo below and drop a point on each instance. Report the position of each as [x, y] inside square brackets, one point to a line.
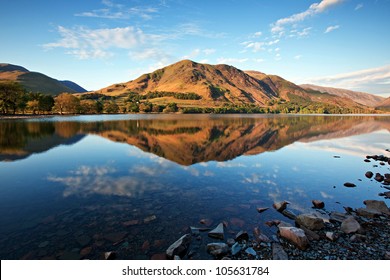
[186, 140]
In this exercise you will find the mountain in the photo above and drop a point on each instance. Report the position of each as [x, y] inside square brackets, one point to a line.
[359, 97]
[221, 84]
[385, 104]
[36, 82]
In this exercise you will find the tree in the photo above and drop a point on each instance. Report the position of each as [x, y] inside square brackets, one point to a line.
[111, 107]
[33, 105]
[11, 94]
[88, 106]
[66, 103]
[171, 107]
[46, 103]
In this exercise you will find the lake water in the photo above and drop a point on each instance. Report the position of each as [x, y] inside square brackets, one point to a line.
[76, 187]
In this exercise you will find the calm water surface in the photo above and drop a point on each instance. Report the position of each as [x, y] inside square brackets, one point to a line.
[76, 187]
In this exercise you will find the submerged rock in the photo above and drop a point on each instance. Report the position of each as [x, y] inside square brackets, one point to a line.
[368, 213]
[261, 210]
[289, 214]
[369, 174]
[295, 235]
[378, 177]
[350, 225]
[218, 232]
[338, 217]
[349, 185]
[179, 247]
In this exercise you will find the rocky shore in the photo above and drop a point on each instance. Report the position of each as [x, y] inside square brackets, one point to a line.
[356, 234]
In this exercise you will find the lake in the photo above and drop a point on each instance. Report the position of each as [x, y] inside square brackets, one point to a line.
[77, 187]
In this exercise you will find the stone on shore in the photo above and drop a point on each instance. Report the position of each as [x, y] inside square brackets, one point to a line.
[280, 206]
[289, 214]
[310, 221]
[236, 248]
[242, 235]
[260, 237]
[217, 232]
[318, 204]
[377, 205]
[331, 235]
[218, 249]
[278, 252]
[350, 225]
[368, 213]
[338, 217]
[295, 235]
[179, 247]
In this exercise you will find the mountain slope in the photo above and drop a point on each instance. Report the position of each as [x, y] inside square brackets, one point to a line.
[221, 84]
[359, 97]
[385, 104]
[36, 82]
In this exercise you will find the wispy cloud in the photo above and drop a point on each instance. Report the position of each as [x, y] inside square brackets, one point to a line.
[96, 43]
[112, 10]
[298, 57]
[314, 9]
[378, 77]
[359, 6]
[225, 60]
[259, 46]
[331, 28]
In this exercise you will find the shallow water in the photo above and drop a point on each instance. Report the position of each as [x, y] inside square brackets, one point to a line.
[76, 187]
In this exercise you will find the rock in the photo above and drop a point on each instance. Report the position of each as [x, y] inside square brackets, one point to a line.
[236, 248]
[217, 232]
[367, 160]
[349, 185]
[83, 240]
[295, 235]
[130, 223]
[230, 241]
[110, 255]
[261, 210]
[280, 206]
[385, 194]
[150, 219]
[331, 235]
[289, 214]
[310, 221]
[368, 213]
[350, 225]
[176, 258]
[251, 251]
[387, 255]
[378, 177]
[161, 256]
[206, 222]
[43, 244]
[377, 205]
[272, 223]
[358, 238]
[179, 247]
[338, 217]
[284, 224]
[85, 251]
[226, 259]
[145, 246]
[115, 236]
[217, 249]
[278, 252]
[194, 230]
[242, 235]
[318, 204]
[260, 237]
[311, 235]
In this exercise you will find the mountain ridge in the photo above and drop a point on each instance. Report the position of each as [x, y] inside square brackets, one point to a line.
[37, 82]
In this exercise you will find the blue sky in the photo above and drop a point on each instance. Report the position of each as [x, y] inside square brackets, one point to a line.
[340, 43]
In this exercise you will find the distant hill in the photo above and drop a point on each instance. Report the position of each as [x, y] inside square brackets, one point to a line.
[37, 82]
[223, 84]
[359, 97]
[385, 104]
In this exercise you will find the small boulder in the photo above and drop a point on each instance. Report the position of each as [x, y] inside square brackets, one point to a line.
[377, 205]
[251, 251]
[378, 177]
[295, 235]
[280, 206]
[218, 249]
[179, 247]
[217, 232]
[318, 204]
[260, 237]
[350, 225]
[349, 185]
[289, 214]
[262, 209]
[369, 174]
[242, 235]
[236, 248]
[110, 255]
[331, 235]
[338, 217]
[368, 213]
[310, 221]
[278, 252]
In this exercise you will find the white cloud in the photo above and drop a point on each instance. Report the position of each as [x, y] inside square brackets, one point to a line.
[112, 10]
[208, 51]
[331, 28]
[224, 60]
[371, 78]
[298, 57]
[359, 6]
[257, 34]
[255, 46]
[314, 9]
[86, 43]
